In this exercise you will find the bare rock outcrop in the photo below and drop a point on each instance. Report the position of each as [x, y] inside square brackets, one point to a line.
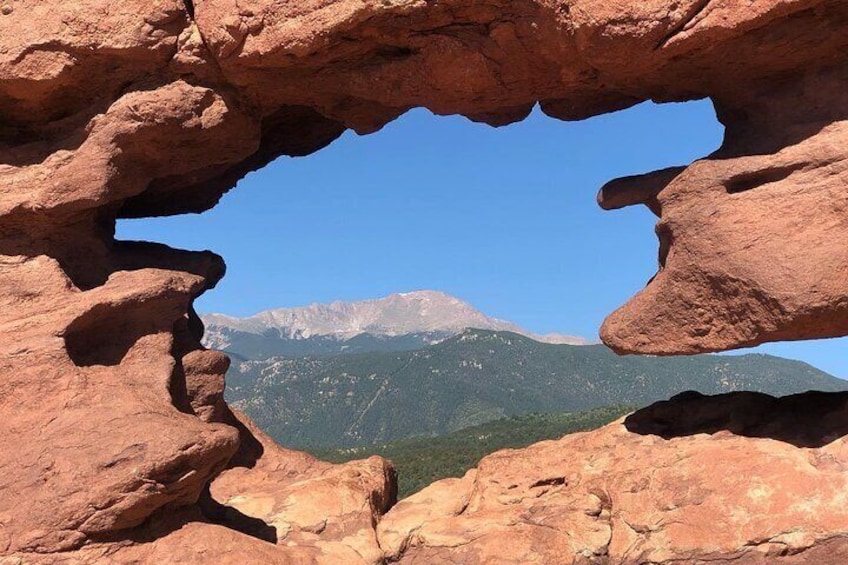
[309, 503]
[741, 478]
[117, 445]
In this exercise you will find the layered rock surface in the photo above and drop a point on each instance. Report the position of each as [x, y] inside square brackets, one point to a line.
[114, 423]
[742, 478]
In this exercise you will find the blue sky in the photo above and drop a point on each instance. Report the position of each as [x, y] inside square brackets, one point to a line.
[503, 218]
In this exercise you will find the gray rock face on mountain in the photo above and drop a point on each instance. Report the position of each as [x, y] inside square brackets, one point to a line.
[430, 315]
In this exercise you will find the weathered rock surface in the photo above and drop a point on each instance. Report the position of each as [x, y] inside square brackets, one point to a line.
[742, 478]
[332, 508]
[763, 284]
[114, 421]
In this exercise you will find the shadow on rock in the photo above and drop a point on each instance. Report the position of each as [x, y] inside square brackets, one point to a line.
[234, 519]
[811, 419]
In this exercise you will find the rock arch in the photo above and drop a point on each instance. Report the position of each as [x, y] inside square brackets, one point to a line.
[114, 410]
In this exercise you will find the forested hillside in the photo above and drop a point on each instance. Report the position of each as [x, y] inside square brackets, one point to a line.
[476, 377]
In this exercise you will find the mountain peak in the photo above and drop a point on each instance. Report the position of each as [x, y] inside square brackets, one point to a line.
[400, 314]
[430, 294]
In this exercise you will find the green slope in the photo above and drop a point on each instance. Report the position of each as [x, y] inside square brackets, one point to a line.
[477, 377]
[245, 346]
[421, 461]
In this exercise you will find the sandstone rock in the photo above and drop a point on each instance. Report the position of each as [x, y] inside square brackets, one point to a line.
[745, 206]
[333, 508]
[183, 537]
[736, 479]
[257, 79]
[56, 58]
[115, 432]
[92, 440]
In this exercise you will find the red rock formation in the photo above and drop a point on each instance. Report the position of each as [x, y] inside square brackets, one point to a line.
[115, 424]
[311, 503]
[730, 479]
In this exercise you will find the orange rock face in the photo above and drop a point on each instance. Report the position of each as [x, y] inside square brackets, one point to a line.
[117, 446]
[729, 479]
[740, 261]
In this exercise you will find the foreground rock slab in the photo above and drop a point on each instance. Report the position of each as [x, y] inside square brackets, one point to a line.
[272, 506]
[741, 478]
[308, 503]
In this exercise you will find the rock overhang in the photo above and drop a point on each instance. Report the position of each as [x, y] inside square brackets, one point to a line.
[156, 108]
[297, 75]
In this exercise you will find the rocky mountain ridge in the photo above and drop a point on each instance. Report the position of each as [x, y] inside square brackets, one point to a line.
[432, 315]
[477, 377]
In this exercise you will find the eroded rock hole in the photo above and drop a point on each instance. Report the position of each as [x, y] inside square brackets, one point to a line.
[86, 262]
[666, 239]
[759, 179]
[275, 223]
[189, 6]
[553, 482]
[104, 334]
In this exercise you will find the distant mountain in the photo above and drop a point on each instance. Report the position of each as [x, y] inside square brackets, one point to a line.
[400, 322]
[476, 377]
